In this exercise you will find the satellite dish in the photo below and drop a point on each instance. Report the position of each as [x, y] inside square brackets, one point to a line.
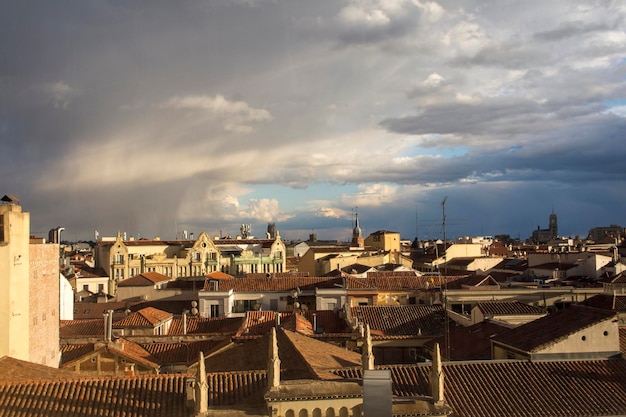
[296, 305]
[194, 311]
[194, 304]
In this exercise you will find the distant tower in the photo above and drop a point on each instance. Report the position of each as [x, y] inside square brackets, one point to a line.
[553, 226]
[271, 230]
[357, 234]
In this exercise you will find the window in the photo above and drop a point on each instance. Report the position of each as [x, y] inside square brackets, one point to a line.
[214, 310]
[85, 287]
[1, 228]
[100, 287]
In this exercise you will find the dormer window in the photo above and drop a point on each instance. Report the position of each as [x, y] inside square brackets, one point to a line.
[213, 285]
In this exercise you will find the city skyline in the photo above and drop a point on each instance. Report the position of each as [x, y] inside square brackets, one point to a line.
[153, 118]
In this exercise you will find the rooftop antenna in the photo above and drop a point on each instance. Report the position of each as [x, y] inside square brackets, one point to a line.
[445, 280]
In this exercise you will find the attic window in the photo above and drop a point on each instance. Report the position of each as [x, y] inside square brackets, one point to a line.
[606, 333]
[584, 338]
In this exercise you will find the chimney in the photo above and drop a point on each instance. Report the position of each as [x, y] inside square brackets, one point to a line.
[105, 315]
[377, 394]
[314, 323]
[110, 326]
[129, 369]
[184, 321]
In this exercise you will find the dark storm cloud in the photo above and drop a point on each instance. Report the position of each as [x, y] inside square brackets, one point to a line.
[152, 115]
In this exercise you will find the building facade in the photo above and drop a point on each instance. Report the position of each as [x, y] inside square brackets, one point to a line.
[29, 303]
[122, 259]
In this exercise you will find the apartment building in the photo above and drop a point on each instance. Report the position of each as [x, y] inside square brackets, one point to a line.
[122, 259]
[29, 276]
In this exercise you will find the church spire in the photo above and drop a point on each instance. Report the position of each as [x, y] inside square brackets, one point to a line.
[367, 356]
[436, 377]
[357, 234]
[273, 362]
[202, 387]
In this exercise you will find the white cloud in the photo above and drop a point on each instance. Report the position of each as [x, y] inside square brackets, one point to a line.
[60, 93]
[369, 195]
[235, 115]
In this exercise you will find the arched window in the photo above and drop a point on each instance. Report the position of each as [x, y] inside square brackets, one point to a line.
[343, 412]
[330, 412]
[317, 412]
[303, 413]
[290, 413]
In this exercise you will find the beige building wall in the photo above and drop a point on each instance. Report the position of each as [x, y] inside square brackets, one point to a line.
[44, 286]
[14, 274]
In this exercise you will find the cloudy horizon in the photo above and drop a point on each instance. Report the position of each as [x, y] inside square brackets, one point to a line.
[155, 117]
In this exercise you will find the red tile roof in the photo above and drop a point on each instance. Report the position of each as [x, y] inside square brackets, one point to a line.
[298, 323]
[319, 357]
[607, 302]
[507, 308]
[273, 284]
[71, 352]
[146, 317]
[123, 347]
[78, 328]
[146, 396]
[519, 388]
[469, 343]
[302, 357]
[237, 388]
[557, 326]
[219, 275]
[401, 321]
[182, 352]
[15, 370]
[206, 325]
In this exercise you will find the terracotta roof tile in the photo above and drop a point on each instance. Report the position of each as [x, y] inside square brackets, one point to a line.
[301, 357]
[535, 335]
[469, 343]
[146, 317]
[206, 325]
[237, 388]
[149, 396]
[273, 284]
[15, 370]
[505, 308]
[78, 328]
[71, 352]
[122, 347]
[519, 388]
[219, 275]
[407, 320]
[320, 357]
[297, 322]
[607, 302]
[182, 352]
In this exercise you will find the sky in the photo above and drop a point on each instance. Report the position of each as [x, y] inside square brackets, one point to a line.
[154, 117]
